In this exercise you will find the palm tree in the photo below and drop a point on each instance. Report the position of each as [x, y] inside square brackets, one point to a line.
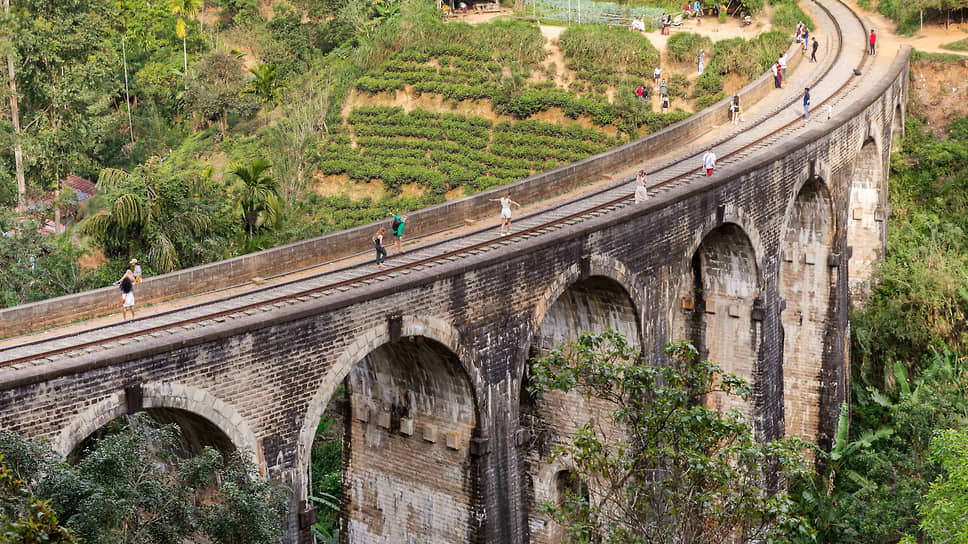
[137, 219]
[259, 195]
[184, 9]
[265, 84]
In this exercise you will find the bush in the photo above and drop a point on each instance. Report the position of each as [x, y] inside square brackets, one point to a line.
[684, 47]
[608, 50]
[786, 15]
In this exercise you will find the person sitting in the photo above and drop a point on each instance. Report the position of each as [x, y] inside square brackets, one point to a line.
[638, 24]
[697, 9]
[688, 10]
[463, 7]
[747, 20]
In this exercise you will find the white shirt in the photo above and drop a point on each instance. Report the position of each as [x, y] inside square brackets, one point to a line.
[638, 24]
[782, 61]
[773, 69]
[657, 73]
[709, 160]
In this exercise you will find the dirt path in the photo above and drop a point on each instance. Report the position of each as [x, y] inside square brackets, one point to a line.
[929, 40]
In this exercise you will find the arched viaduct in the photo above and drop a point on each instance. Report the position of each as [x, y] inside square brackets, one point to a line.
[755, 265]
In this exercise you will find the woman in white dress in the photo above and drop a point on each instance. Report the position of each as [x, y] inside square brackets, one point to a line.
[505, 212]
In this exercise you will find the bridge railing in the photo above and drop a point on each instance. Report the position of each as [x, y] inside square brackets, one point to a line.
[243, 269]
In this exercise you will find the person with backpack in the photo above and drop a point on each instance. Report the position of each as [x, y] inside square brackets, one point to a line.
[381, 252]
[399, 221]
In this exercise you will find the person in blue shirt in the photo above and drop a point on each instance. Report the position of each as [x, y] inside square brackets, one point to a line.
[697, 9]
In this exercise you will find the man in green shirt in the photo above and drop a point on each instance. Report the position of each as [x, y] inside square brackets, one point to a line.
[399, 221]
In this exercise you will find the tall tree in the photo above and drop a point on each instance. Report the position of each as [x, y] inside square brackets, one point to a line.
[185, 10]
[664, 467]
[11, 77]
[265, 84]
[259, 194]
[150, 213]
[68, 81]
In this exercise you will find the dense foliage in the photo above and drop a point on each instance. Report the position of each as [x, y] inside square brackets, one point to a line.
[909, 383]
[136, 485]
[664, 467]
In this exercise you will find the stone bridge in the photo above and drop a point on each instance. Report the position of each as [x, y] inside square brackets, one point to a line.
[756, 266]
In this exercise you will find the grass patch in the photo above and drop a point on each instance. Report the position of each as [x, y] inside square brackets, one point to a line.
[959, 45]
[941, 59]
[616, 50]
[786, 15]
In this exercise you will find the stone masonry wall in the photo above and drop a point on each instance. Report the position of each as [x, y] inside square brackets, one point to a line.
[264, 378]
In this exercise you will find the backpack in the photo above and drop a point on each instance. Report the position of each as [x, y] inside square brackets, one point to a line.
[396, 224]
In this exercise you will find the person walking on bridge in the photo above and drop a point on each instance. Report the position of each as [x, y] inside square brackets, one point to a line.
[813, 55]
[806, 104]
[127, 293]
[381, 252]
[505, 212]
[641, 189]
[709, 161]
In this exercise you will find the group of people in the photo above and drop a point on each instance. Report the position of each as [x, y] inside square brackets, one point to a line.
[399, 221]
[644, 92]
[802, 37]
[396, 227]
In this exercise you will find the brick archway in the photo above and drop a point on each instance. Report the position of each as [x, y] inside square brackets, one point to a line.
[163, 395]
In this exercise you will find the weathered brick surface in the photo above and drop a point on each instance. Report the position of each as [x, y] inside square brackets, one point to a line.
[265, 379]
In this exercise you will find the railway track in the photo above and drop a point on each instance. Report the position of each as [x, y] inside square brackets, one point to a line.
[769, 127]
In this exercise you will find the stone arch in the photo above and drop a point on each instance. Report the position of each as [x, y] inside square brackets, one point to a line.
[600, 299]
[867, 216]
[604, 266]
[804, 283]
[897, 127]
[719, 306]
[412, 413]
[163, 395]
[376, 335]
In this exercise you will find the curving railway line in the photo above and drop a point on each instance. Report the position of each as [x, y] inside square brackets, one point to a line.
[831, 80]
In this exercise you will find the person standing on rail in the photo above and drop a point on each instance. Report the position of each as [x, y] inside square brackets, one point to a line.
[505, 212]
[813, 55]
[806, 104]
[641, 188]
[381, 252]
[399, 221]
[709, 161]
[872, 40]
[127, 293]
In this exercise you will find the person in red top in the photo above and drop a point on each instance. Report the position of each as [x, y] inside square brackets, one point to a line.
[873, 39]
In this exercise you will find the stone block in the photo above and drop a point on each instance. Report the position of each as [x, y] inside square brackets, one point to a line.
[430, 433]
[362, 413]
[406, 426]
[383, 419]
[453, 440]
